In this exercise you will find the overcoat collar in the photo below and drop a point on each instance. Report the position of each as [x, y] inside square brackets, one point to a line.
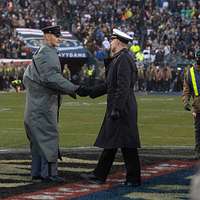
[118, 53]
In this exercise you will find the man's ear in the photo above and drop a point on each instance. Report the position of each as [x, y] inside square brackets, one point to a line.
[48, 36]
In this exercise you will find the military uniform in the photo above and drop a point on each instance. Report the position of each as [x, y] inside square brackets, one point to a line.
[44, 83]
[121, 77]
[119, 128]
[188, 92]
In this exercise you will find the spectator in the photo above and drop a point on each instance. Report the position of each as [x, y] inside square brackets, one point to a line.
[92, 21]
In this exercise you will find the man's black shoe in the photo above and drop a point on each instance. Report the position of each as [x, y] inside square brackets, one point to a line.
[131, 184]
[53, 179]
[37, 179]
[91, 178]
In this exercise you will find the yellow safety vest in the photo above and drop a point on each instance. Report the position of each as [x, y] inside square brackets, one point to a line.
[17, 82]
[194, 83]
[90, 72]
[139, 56]
[135, 48]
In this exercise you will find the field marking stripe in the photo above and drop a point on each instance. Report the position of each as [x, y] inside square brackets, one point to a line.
[96, 148]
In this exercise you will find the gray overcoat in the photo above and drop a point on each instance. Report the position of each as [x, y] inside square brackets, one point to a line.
[44, 83]
[120, 80]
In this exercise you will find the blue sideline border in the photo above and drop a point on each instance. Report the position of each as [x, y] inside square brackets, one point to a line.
[175, 185]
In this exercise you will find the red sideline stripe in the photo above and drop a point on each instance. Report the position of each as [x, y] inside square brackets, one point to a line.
[72, 190]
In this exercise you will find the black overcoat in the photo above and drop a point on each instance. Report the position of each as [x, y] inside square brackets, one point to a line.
[120, 79]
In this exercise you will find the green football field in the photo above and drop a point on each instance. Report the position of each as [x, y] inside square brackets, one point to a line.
[161, 119]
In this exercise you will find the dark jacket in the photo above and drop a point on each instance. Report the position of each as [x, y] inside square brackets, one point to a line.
[188, 92]
[121, 75]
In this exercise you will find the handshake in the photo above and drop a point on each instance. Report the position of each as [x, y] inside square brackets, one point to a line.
[84, 91]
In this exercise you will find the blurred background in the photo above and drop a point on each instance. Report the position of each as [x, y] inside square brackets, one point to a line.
[165, 32]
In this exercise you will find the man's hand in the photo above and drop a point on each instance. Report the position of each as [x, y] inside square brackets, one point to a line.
[187, 107]
[115, 114]
[83, 91]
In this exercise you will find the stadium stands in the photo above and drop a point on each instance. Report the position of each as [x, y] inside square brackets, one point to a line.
[152, 26]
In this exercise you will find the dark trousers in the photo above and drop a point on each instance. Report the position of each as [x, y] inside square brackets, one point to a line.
[131, 159]
[197, 131]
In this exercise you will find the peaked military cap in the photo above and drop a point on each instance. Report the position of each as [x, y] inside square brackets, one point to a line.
[123, 37]
[52, 30]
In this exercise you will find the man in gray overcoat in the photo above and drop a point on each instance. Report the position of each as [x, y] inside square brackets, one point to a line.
[119, 128]
[44, 84]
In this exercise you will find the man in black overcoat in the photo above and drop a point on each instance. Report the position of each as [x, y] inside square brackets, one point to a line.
[119, 128]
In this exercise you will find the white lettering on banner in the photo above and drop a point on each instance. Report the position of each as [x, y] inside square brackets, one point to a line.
[72, 55]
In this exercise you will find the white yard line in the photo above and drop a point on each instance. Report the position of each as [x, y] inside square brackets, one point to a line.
[25, 150]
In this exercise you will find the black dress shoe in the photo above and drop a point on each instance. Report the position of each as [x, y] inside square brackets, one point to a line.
[91, 178]
[54, 179]
[131, 184]
[37, 179]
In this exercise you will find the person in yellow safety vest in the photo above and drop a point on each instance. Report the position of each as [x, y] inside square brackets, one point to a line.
[135, 48]
[89, 75]
[89, 71]
[17, 85]
[191, 88]
[139, 56]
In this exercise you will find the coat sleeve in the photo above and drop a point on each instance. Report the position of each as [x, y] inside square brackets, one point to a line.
[124, 76]
[98, 90]
[50, 73]
[186, 90]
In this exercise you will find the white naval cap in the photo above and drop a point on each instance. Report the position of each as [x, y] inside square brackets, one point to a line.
[123, 37]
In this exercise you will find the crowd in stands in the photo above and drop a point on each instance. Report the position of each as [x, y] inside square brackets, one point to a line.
[10, 73]
[160, 79]
[166, 31]
[150, 79]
